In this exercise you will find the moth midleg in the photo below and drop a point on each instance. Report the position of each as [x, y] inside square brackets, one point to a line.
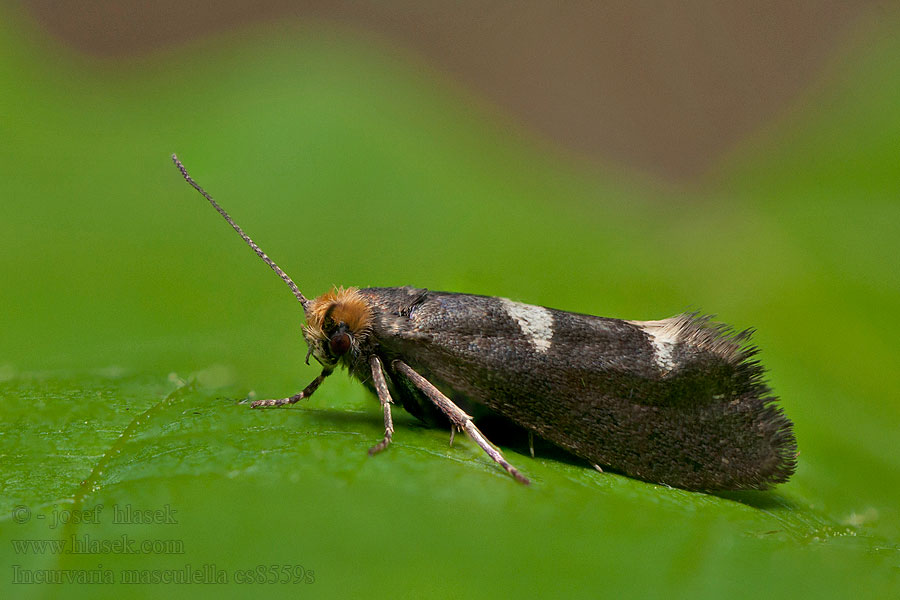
[457, 416]
[306, 393]
[385, 397]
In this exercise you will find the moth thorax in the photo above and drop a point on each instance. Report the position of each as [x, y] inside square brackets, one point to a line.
[338, 318]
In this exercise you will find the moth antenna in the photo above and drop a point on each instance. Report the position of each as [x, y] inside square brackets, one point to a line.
[284, 276]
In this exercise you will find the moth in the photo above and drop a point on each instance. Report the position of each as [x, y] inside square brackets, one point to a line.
[679, 401]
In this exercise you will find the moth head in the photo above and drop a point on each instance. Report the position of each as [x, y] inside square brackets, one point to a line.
[337, 324]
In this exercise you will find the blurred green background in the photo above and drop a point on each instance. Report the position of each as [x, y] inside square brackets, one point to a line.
[135, 321]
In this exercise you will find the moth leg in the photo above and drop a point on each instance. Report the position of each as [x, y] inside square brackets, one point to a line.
[457, 416]
[531, 442]
[306, 393]
[385, 397]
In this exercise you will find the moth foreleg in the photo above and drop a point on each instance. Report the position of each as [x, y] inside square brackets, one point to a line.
[306, 393]
[385, 397]
[457, 416]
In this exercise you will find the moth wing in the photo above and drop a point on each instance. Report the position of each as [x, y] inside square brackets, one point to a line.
[679, 401]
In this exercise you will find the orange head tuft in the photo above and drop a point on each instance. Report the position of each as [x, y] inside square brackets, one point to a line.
[337, 322]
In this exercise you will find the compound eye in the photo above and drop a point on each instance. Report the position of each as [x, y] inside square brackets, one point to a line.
[339, 343]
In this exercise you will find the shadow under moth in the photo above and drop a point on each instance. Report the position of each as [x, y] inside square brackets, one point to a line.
[679, 401]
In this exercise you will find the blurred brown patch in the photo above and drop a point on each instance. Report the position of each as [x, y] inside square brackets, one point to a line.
[658, 88]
